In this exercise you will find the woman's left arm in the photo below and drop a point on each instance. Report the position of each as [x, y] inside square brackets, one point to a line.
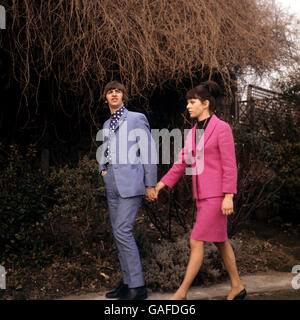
[228, 162]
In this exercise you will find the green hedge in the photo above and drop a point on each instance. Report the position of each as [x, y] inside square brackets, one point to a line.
[41, 216]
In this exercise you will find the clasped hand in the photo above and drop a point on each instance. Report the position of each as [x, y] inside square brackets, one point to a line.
[152, 192]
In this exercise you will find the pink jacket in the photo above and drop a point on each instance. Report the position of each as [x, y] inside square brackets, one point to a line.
[214, 171]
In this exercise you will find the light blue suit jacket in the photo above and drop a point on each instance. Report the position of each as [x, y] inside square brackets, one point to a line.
[133, 170]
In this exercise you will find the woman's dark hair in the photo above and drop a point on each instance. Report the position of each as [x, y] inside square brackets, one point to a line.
[208, 90]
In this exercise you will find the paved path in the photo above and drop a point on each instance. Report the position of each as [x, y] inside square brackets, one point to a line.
[254, 283]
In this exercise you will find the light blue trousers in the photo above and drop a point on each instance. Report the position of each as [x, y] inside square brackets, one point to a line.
[122, 212]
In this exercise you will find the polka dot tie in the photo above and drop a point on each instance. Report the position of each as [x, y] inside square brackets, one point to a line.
[114, 119]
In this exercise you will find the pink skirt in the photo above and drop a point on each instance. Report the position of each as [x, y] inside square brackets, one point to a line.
[211, 223]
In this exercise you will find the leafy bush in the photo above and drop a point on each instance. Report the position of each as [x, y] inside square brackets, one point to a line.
[288, 159]
[287, 144]
[23, 204]
[40, 216]
[165, 263]
[77, 217]
[257, 186]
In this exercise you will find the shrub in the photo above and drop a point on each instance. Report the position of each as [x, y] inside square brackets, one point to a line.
[287, 161]
[78, 216]
[287, 137]
[165, 263]
[40, 216]
[23, 204]
[257, 185]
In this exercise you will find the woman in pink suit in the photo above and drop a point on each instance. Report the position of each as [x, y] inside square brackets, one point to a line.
[214, 174]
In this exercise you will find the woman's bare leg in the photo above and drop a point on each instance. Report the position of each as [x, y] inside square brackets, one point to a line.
[228, 258]
[194, 265]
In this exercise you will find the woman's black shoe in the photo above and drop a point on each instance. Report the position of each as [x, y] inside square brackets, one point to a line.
[118, 292]
[241, 295]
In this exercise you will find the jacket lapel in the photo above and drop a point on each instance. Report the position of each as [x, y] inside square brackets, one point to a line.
[194, 140]
[207, 133]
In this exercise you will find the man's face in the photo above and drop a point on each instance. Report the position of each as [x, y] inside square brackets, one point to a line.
[114, 98]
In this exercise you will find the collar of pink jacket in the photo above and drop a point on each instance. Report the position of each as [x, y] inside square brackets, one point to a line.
[207, 133]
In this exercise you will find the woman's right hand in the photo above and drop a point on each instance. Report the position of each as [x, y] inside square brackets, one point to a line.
[160, 185]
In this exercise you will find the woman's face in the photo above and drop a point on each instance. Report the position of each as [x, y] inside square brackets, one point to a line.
[196, 107]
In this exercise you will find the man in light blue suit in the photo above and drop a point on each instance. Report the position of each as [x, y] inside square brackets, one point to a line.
[129, 171]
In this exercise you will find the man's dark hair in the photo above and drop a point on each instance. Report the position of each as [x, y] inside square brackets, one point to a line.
[115, 85]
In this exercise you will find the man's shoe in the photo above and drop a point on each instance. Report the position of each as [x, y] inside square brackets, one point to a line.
[139, 293]
[118, 292]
